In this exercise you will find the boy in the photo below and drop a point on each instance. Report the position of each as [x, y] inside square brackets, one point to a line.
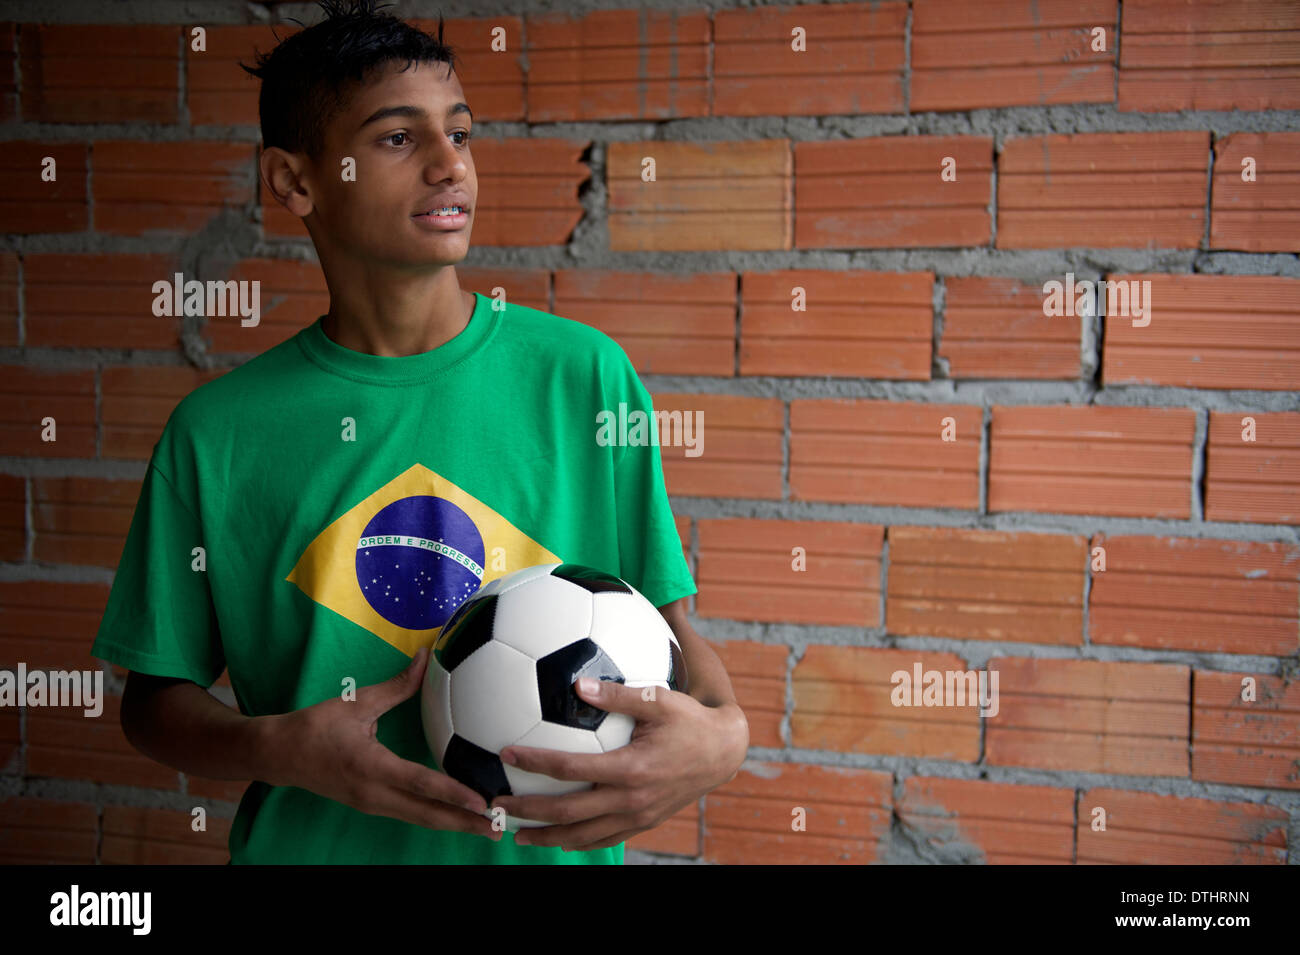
[415, 408]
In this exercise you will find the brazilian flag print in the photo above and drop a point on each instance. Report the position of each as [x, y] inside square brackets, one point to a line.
[400, 562]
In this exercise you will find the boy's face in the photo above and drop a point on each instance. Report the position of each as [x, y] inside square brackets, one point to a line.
[408, 162]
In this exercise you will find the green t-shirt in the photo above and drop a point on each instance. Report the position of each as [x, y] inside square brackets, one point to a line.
[287, 469]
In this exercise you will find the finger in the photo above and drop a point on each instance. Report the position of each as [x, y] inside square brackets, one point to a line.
[613, 840]
[378, 698]
[382, 800]
[569, 808]
[642, 703]
[612, 767]
[579, 834]
[412, 777]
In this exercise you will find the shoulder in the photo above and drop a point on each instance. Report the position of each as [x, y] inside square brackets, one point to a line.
[235, 393]
[561, 339]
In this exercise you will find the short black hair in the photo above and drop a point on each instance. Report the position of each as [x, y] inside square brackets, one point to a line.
[308, 78]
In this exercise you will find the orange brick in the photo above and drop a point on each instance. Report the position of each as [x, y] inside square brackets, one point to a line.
[82, 521]
[493, 80]
[1257, 479]
[1154, 829]
[144, 188]
[100, 73]
[986, 585]
[1245, 743]
[884, 452]
[1010, 53]
[8, 86]
[741, 446]
[300, 295]
[1182, 55]
[1258, 216]
[13, 517]
[138, 836]
[725, 196]
[1103, 190]
[62, 742]
[757, 673]
[137, 401]
[530, 287]
[888, 192]
[748, 571]
[43, 832]
[50, 624]
[8, 293]
[1211, 596]
[846, 813]
[996, 823]
[1208, 331]
[995, 328]
[1135, 462]
[854, 324]
[97, 301]
[225, 790]
[32, 206]
[1090, 716]
[218, 91]
[677, 835]
[853, 61]
[668, 324]
[843, 702]
[617, 64]
[28, 395]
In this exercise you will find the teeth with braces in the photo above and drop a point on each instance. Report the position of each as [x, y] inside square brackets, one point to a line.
[446, 210]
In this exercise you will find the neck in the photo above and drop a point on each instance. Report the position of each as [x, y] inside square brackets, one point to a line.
[394, 320]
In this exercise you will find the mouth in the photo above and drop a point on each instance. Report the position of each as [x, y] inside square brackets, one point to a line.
[447, 217]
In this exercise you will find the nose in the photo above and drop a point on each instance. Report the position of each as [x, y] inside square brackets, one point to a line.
[446, 161]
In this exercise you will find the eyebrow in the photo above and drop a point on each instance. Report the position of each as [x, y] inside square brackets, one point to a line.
[412, 112]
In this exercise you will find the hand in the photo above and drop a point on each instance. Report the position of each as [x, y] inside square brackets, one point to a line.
[332, 749]
[679, 750]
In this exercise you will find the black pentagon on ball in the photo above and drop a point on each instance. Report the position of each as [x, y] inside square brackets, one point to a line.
[477, 768]
[589, 578]
[555, 675]
[468, 629]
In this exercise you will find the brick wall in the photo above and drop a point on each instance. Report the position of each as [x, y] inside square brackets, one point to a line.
[1103, 512]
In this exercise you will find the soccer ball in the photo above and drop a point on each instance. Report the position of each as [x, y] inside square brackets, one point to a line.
[502, 672]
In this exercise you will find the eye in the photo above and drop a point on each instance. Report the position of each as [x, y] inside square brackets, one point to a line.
[463, 132]
[391, 135]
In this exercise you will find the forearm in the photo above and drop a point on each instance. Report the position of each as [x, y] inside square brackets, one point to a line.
[185, 727]
[709, 682]
[710, 685]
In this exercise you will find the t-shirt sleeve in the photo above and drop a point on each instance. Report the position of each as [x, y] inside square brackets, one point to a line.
[649, 548]
[160, 617]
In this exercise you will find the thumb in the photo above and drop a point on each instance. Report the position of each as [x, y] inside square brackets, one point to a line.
[382, 697]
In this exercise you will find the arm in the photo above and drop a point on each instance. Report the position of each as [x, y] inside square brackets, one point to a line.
[709, 683]
[181, 725]
[330, 748]
[708, 680]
